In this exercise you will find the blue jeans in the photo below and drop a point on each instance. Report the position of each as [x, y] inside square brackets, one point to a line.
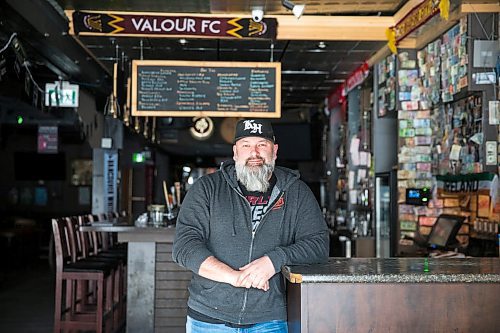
[274, 326]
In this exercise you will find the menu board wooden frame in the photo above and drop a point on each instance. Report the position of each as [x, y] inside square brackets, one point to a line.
[276, 113]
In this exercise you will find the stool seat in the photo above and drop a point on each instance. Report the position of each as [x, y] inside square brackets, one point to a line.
[88, 267]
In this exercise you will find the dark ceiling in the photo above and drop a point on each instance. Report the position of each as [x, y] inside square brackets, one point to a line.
[271, 7]
[309, 72]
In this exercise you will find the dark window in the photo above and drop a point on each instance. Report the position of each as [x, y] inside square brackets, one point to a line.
[34, 166]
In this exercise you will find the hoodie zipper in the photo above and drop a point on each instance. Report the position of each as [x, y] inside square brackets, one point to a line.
[245, 297]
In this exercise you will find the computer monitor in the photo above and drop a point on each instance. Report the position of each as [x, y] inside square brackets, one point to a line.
[444, 230]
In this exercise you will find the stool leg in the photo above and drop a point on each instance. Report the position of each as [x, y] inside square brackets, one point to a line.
[118, 292]
[110, 301]
[100, 308]
[83, 295]
[70, 298]
[58, 304]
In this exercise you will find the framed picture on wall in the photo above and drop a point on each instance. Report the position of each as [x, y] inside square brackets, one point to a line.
[84, 195]
[81, 172]
[41, 196]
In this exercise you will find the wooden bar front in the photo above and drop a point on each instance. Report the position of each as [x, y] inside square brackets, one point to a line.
[162, 308]
[461, 297]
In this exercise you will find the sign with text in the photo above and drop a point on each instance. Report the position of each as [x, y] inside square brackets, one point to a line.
[357, 77]
[206, 89]
[110, 180]
[416, 17]
[485, 183]
[61, 94]
[48, 140]
[159, 25]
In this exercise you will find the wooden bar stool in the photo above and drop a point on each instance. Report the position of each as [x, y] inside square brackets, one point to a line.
[72, 277]
[118, 261]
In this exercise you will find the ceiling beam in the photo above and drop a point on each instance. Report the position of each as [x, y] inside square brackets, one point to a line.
[340, 28]
[309, 27]
[409, 5]
[432, 31]
[480, 7]
[408, 43]
[378, 56]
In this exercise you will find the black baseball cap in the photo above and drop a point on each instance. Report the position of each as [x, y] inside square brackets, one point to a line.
[254, 127]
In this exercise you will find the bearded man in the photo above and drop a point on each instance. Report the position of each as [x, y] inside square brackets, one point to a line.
[237, 227]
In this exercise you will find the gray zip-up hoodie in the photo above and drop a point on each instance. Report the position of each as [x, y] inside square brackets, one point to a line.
[215, 219]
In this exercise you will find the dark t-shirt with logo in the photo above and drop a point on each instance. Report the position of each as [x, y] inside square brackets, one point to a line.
[259, 202]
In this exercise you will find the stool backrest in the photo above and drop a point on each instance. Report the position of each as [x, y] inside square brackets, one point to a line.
[61, 243]
[98, 241]
[78, 244]
[88, 246]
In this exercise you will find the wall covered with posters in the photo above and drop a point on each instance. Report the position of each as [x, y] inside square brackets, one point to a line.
[442, 119]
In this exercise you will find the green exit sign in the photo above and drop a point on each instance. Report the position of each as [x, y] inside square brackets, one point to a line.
[61, 94]
[138, 158]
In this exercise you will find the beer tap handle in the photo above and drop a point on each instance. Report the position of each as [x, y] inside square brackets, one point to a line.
[167, 200]
[172, 190]
[178, 192]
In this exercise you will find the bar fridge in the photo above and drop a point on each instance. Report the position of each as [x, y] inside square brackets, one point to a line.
[385, 214]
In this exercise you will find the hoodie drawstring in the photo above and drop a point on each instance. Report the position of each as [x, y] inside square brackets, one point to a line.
[233, 219]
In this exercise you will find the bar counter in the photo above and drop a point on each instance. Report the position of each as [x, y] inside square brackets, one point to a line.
[156, 286]
[395, 295]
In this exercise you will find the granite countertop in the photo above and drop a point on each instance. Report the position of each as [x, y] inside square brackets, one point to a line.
[397, 270]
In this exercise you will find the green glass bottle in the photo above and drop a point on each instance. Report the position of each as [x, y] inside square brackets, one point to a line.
[426, 265]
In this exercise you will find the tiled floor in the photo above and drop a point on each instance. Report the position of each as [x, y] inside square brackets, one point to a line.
[27, 299]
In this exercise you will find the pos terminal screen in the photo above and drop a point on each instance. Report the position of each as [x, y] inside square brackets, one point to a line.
[445, 230]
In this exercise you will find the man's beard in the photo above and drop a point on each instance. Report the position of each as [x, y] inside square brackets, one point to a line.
[255, 178]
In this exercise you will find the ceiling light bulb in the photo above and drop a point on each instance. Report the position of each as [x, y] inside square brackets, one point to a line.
[298, 10]
[110, 108]
[321, 45]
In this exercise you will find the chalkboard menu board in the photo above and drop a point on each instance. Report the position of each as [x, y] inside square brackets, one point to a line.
[215, 89]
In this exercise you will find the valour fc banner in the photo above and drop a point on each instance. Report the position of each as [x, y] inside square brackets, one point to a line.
[158, 25]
